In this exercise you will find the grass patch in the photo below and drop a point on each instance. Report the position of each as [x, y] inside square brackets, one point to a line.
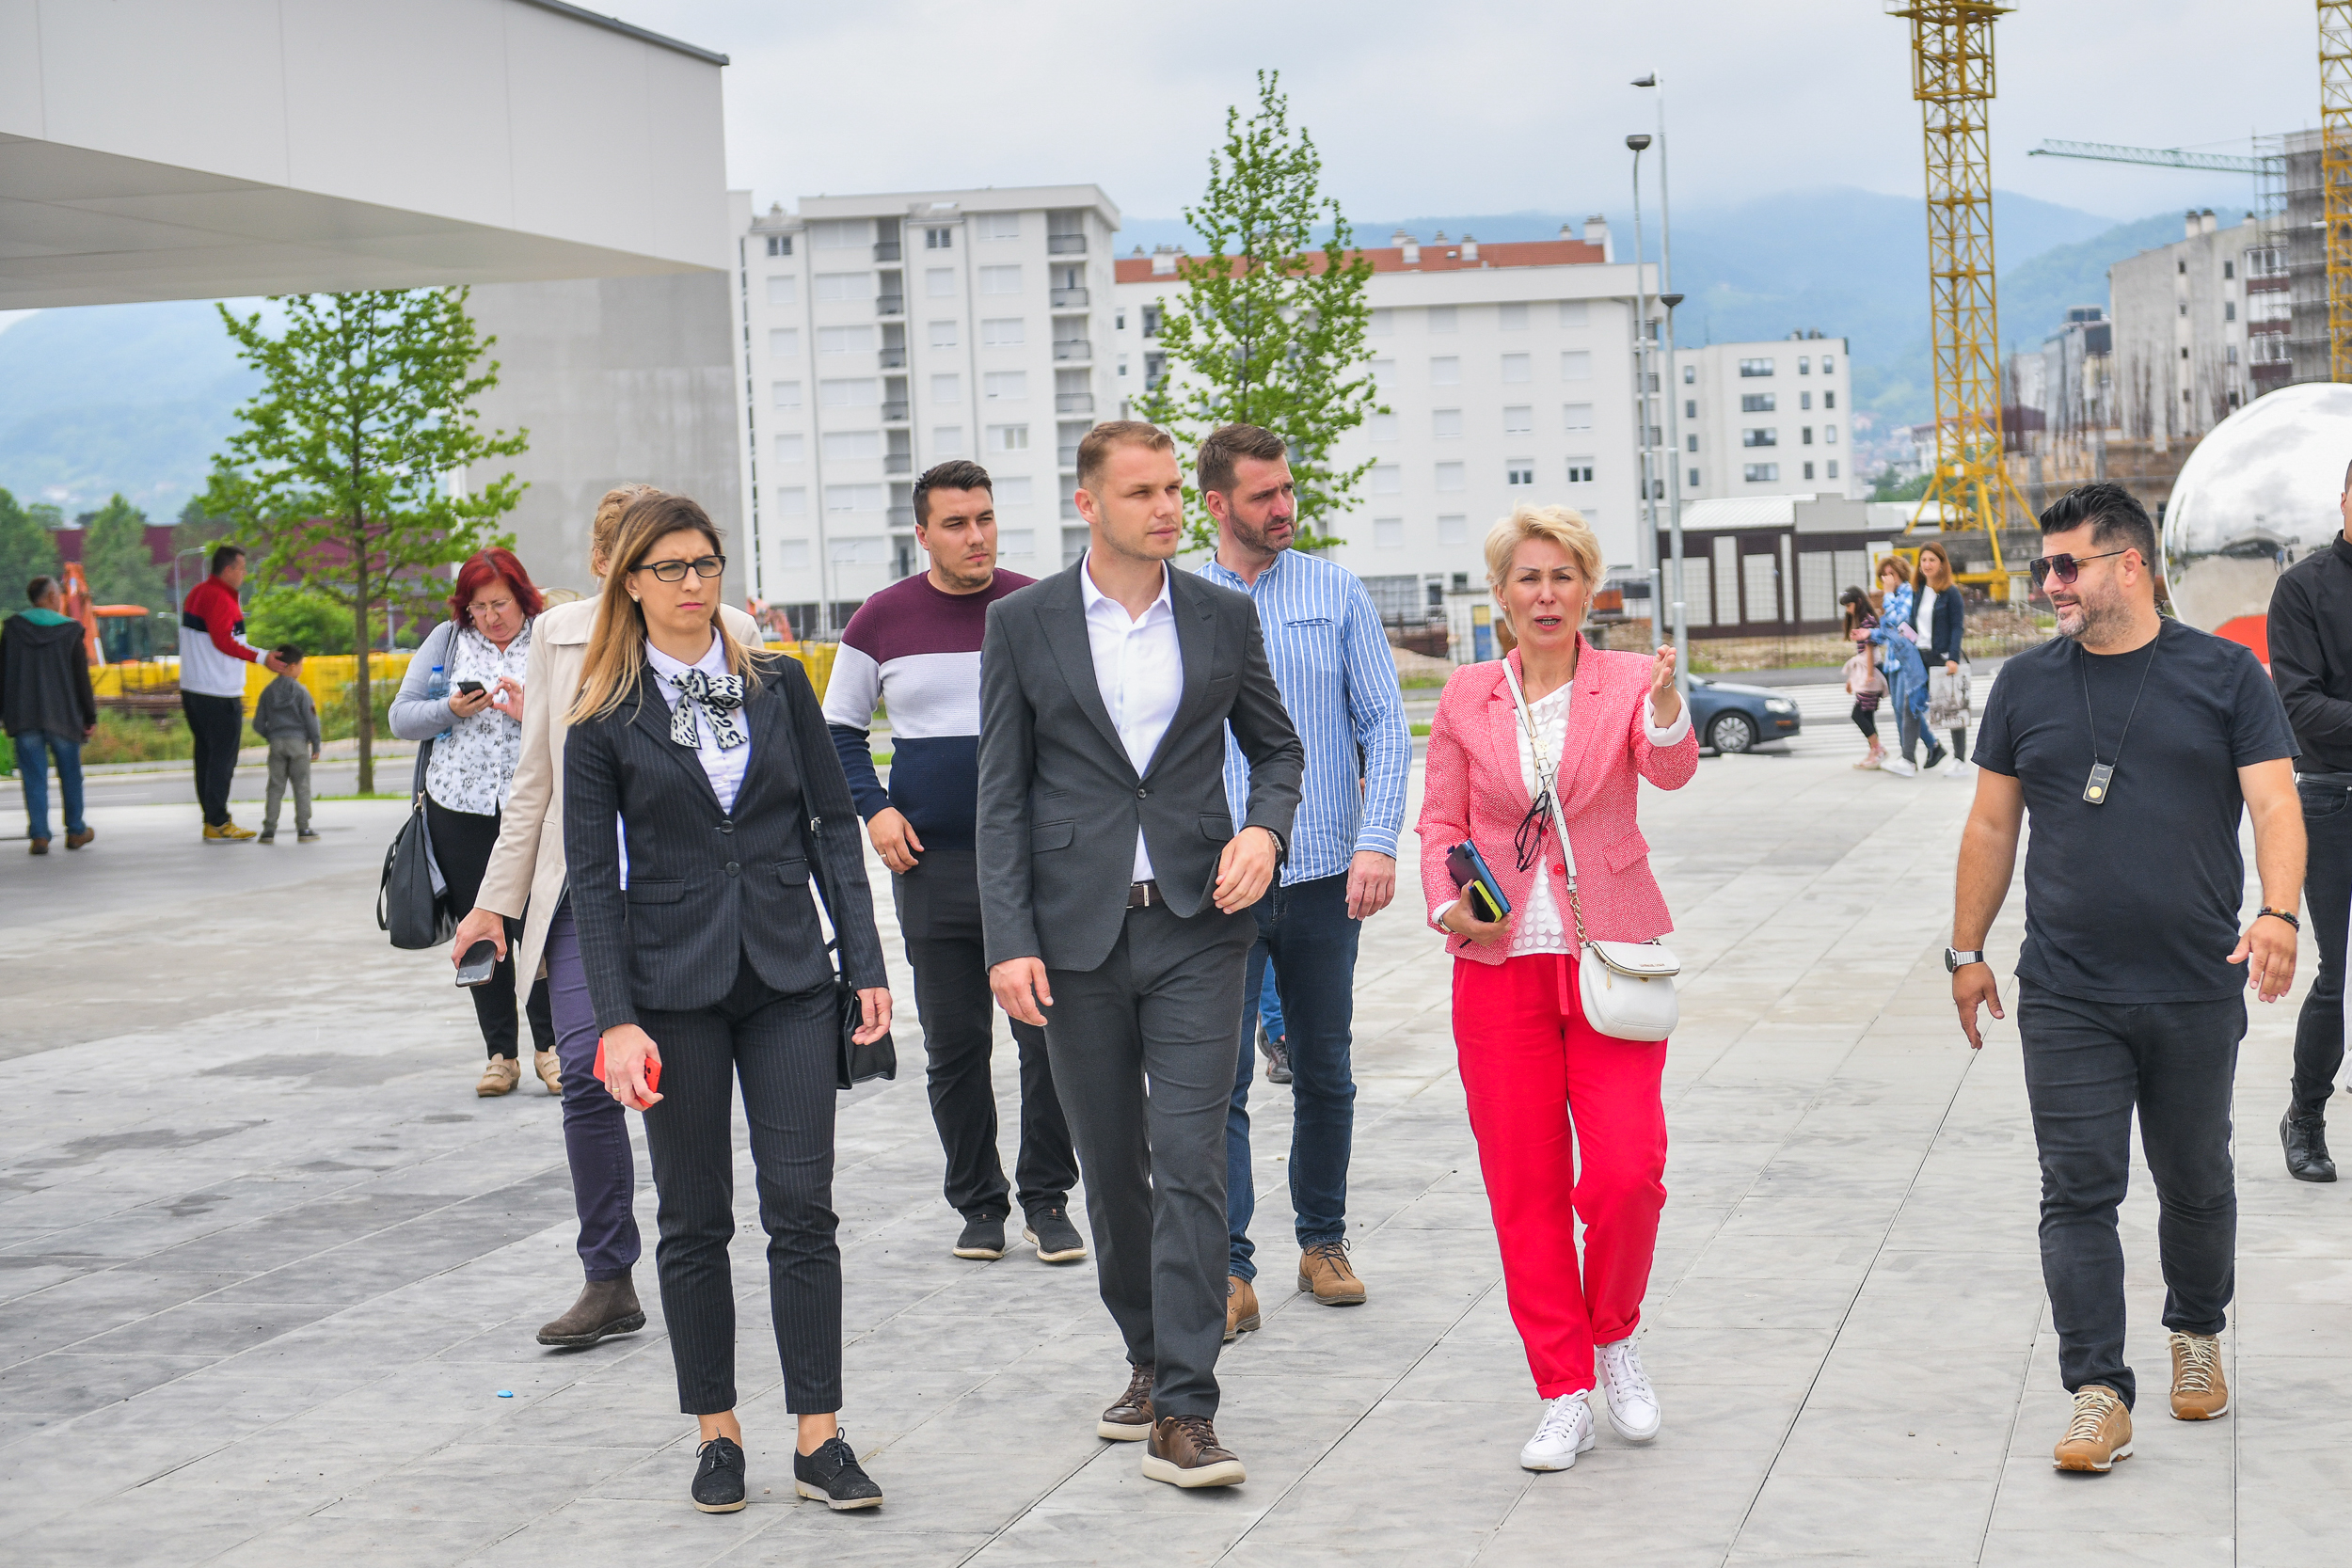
[126, 738]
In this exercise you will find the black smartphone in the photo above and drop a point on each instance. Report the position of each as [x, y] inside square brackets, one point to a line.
[1468, 868]
[482, 961]
[470, 687]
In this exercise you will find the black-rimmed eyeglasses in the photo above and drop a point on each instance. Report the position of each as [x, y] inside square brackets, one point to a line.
[703, 567]
[2066, 568]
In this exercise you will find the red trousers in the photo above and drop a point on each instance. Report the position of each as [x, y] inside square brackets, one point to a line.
[1545, 1087]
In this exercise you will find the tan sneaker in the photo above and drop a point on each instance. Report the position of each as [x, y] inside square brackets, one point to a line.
[228, 832]
[2100, 1432]
[499, 1076]
[1241, 1307]
[2199, 1392]
[1183, 1452]
[550, 1072]
[1323, 1269]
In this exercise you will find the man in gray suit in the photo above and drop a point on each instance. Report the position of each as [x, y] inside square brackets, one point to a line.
[1115, 895]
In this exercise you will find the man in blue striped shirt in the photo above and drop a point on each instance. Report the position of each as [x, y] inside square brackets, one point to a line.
[1331, 659]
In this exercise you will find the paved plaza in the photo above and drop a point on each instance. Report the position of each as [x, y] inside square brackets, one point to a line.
[268, 1270]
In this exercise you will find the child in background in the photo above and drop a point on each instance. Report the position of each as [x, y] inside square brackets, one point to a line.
[1863, 683]
[288, 721]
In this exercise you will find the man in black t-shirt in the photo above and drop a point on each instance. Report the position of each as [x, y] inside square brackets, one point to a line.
[2133, 741]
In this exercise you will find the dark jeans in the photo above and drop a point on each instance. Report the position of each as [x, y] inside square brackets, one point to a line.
[1142, 1049]
[595, 1128]
[34, 750]
[780, 1047]
[462, 841]
[1305, 930]
[939, 913]
[2088, 1065]
[215, 724]
[2328, 896]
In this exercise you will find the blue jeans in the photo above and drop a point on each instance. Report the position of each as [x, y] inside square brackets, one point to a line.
[34, 750]
[1304, 930]
[1270, 1004]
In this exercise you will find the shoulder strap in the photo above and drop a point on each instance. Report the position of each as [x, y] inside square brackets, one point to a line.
[816, 824]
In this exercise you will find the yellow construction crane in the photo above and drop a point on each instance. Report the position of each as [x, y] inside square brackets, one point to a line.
[2335, 176]
[1951, 77]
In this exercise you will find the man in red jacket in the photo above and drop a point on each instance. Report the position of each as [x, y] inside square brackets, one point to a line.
[213, 655]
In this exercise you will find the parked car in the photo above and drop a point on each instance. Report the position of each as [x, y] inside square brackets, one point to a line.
[1732, 719]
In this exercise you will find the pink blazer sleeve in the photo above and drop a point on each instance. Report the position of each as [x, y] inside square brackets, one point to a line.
[1444, 801]
[1667, 767]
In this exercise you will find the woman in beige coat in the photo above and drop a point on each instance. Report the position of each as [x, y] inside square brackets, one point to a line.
[526, 880]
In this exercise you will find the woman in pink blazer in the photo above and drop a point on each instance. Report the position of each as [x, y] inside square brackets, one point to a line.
[1545, 1086]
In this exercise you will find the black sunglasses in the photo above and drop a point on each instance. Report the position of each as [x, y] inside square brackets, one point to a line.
[2066, 568]
[710, 566]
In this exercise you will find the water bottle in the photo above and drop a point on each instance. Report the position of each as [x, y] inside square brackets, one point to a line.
[437, 689]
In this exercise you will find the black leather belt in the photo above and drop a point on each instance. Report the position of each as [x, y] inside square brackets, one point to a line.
[2325, 780]
[1142, 896]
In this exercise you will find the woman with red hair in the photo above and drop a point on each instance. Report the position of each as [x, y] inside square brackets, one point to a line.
[462, 700]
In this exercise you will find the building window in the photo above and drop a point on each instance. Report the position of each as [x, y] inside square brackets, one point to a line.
[791, 448]
[1009, 437]
[1756, 367]
[1575, 312]
[1804, 400]
[845, 340]
[1445, 371]
[1004, 332]
[1690, 443]
[792, 554]
[1387, 534]
[781, 244]
[1017, 491]
[1000, 226]
[2229, 269]
[783, 290]
[1805, 365]
[783, 343]
[939, 283]
[1518, 419]
[1806, 437]
[1383, 324]
[2228, 309]
[947, 440]
[1453, 529]
[2229, 354]
[853, 498]
[792, 502]
[1452, 476]
[1759, 403]
[835, 287]
[1829, 398]
[1690, 408]
[1826, 366]
[845, 444]
[1808, 471]
[1151, 321]
[2184, 355]
[1518, 470]
[840, 233]
[939, 239]
[871, 551]
[787, 394]
[1694, 480]
[1690, 375]
[1581, 471]
[1833, 467]
[1511, 318]
[1760, 473]
[1442, 319]
[1576, 365]
[1445, 423]
[1387, 479]
[1000, 281]
[865, 392]
[942, 333]
[2184, 267]
[1829, 435]
[1016, 541]
[1576, 415]
[1765, 436]
[1005, 386]
[1380, 427]
[946, 388]
[1381, 370]
[1518, 367]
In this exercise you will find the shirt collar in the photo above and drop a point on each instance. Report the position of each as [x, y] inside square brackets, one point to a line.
[1228, 578]
[1090, 596]
[2344, 550]
[713, 662]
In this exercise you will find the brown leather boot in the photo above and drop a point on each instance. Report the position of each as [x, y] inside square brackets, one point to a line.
[1129, 1419]
[1241, 1307]
[1184, 1453]
[1323, 1269]
[605, 1308]
[75, 841]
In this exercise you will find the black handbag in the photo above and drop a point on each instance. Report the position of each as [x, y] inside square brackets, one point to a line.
[405, 905]
[854, 1064]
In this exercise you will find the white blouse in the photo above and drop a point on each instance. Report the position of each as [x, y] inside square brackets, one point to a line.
[473, 764]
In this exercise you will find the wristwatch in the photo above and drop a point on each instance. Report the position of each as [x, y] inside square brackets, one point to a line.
[1954, 957]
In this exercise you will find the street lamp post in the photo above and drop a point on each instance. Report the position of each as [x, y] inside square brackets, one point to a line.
[1674, 424]
[1645, 515]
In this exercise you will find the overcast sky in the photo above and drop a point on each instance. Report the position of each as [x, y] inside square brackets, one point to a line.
[1475, 105]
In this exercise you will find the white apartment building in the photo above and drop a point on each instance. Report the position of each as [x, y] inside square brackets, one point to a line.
[1770, 419]
[877, 334]
[1507, 372]
[2202, 326]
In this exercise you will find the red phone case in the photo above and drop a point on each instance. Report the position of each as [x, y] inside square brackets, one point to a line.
[653, 1072]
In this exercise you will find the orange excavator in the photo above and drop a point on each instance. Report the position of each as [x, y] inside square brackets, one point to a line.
[120, 643]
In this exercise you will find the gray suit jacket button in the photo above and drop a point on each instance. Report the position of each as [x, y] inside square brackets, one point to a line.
[1142, 793]
[733, 868]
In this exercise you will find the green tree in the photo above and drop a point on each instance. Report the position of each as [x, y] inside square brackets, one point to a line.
[1891, 489]
[27, 550]
[114, 556]
[312, 620]
[340, 471]
[1267, 330]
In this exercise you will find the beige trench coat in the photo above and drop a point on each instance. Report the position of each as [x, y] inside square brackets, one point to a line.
[526, 873]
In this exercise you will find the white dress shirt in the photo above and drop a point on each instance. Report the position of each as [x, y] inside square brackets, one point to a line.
[1139, 669]
[725, 768]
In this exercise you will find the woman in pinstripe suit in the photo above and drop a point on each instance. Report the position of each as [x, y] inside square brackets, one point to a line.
[708, 966]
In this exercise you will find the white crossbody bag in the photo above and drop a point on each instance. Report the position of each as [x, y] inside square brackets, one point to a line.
[1627, 987]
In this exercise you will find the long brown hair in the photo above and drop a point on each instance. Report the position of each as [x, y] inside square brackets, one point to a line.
[615, 661]
[1919, 566]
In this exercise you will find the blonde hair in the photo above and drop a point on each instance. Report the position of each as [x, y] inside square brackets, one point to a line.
[1564, 526]
[608, 519]
[615, 662]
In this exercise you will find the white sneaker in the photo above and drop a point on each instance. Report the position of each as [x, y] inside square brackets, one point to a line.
[1900, 769]
[1955, 768]
[1565, 1431]
[1632, 1402]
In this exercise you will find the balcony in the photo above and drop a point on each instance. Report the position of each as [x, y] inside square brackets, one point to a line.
[1074, 402]
[894, 413]
[902, 517]
[886, 250]
[898, 462]
[1068, 458]
[891, 305]
[1065, 245]
[1073, 348]
[894, 358]
[1069, 299]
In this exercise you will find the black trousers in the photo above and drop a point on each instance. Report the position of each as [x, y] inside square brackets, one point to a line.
[1143, 1056]
[939, 912]
[2088, 1065]
[781, 1048]
[215, 724]
[462, 841]
[2328, 896]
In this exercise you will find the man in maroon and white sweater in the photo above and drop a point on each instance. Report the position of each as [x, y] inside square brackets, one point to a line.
[213, 655]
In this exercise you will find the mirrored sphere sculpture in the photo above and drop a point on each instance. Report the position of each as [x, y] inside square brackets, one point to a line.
[2258, 495]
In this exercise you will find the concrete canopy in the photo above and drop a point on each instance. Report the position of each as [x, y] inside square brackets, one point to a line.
[152, 149]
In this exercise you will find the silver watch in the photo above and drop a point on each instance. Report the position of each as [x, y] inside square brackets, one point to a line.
[1954, 957]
